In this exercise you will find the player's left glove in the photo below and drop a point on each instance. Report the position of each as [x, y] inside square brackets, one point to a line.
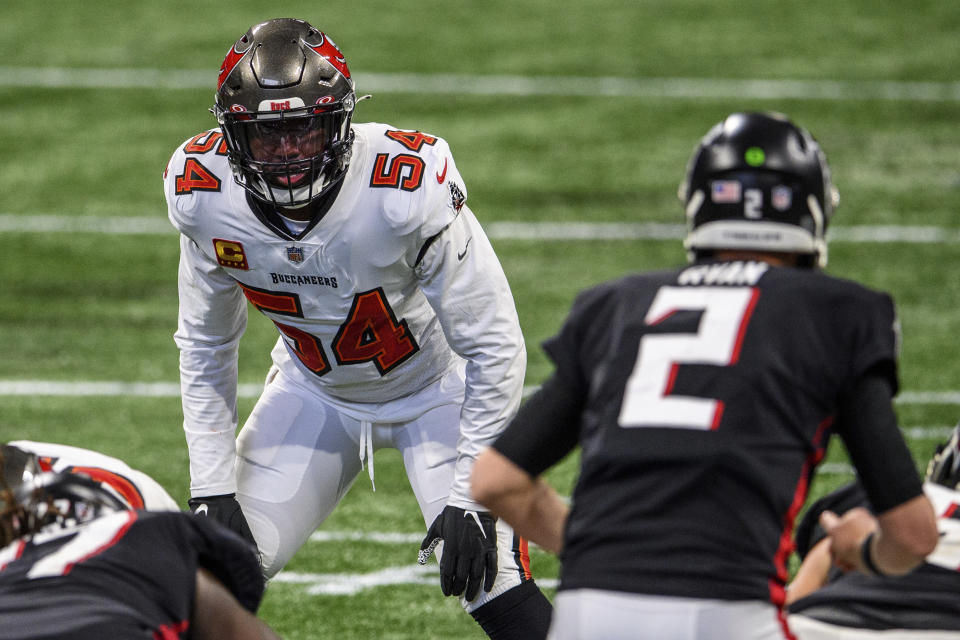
[469, 550]
[226, 510]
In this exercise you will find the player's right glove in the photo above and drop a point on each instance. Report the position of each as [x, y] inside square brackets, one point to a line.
[224, 509]
[469, 557]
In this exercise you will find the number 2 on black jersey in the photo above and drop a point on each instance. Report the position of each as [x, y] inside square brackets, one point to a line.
[647, 399]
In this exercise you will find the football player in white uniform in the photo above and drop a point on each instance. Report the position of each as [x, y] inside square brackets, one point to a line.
[397, 326]
[133, 487]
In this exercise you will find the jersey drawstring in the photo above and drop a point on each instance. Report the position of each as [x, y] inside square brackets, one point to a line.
[366, 448]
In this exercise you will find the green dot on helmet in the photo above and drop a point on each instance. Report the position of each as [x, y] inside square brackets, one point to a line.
[754, 156]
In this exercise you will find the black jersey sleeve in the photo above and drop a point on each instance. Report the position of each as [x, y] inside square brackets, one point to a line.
[232, 560]
[545, 429]
[876, 338]
[868, 426]
[564, 349]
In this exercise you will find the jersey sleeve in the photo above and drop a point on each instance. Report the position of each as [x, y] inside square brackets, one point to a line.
[545, 429]
[547, 426]
[465, 285]
[865, 418]
[183, 205]
[868, 425]
[431, 191]
[875, 338]
[231, 559]
[566, 346]
[211, 319]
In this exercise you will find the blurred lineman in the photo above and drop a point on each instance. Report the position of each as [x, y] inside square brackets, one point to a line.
[135, 488]
[703, 398]
[397, 327]
[77, 562]
[826, 603]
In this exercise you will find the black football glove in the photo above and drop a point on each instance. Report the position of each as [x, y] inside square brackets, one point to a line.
[224, 509]
[469, 550]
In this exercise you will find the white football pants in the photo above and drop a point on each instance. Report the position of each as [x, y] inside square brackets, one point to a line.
[583, 614]
[299, 453]
[810, 629]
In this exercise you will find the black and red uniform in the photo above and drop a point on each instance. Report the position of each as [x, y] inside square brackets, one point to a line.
[926, 598]
[703, 398]
[129, 574]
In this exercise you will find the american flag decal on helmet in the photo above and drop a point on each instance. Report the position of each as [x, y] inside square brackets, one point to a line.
[724, 191]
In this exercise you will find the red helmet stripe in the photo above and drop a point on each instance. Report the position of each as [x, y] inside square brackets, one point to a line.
[329, 52]
[229, 62]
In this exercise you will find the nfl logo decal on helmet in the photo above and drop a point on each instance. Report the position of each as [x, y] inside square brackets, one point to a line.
[757, 181]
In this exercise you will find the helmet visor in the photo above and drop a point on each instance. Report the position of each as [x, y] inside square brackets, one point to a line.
[283, 148]
[288, 152]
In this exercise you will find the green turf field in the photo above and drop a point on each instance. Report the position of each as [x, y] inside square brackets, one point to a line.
[556, 111]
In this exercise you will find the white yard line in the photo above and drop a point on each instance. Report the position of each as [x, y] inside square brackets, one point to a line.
[345, 584]
[534, 231]
[252, 390]
[510, 85]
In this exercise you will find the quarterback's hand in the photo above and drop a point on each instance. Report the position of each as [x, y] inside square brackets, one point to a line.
[224, 509]
[469, 550]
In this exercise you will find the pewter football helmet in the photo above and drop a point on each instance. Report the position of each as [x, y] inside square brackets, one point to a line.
[284, 101]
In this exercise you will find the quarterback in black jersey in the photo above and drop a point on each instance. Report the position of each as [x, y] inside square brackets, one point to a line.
[76, 562]
[703, 399]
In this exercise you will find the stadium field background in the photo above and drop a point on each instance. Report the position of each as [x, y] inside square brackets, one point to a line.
[571, 123]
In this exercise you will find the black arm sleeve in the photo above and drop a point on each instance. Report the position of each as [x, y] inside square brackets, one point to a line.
[546, 428]
[232, 560]
[868, 426]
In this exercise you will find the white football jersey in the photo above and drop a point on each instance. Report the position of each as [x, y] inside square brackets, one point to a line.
[394, 286]
[135, 488]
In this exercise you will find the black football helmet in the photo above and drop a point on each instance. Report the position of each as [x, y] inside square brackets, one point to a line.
[944, 466]
[17, 466]
[61, 499]
[284, 101]
[757, 181]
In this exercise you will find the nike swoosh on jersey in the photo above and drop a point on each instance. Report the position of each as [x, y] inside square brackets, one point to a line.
[442, 175]
[462, 254]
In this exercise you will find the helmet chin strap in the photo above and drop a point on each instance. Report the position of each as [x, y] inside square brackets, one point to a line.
[693, 206]
[818, 237]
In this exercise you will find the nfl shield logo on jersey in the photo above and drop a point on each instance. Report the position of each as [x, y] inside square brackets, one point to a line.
[295, 254]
